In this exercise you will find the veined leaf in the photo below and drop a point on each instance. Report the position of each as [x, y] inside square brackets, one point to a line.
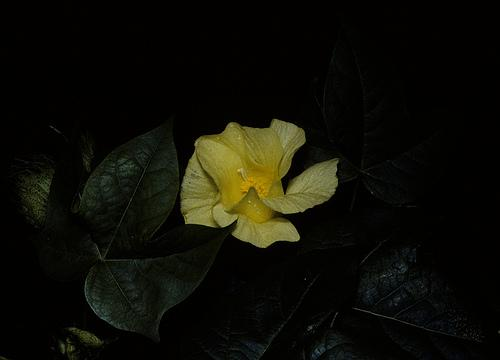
[131, 193]
[133, 294]
[395, 285]
[126, 199]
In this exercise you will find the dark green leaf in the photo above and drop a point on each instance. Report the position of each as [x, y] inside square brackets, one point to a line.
[366, 114]
[453, 348]
[409, 340]
[131, 193]
[327, 234]
[133, 294]
[424, 345]
[65, 248]
[350, 335]
[396, 285]
[180, 239]
[247, 318]
[402, 179]
[335, 345]
[331, 292]
[386, 125]
[342, 101]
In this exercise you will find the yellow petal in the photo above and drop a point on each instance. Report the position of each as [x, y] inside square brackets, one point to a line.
[314, 186]
[198, 195]
[276, 189]
[292, 138]
[222, 217]
[259, 148]
[233, 137]
[253, 208]
[222, 165]
[264, 234]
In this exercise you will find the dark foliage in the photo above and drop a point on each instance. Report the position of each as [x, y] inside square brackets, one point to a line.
[400, 264]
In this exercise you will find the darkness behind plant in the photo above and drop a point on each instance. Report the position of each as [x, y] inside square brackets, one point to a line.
[119, 72]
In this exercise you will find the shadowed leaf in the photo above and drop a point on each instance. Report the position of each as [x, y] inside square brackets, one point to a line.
[181, 238]
[65, 247]
[249, 316]
[368, 120]
[328, 234]
[395, 285]
[133, 294]
[334, 345]
[424, 345]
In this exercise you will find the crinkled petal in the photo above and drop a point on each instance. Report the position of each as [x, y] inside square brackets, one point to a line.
[314, 186]
[292, 138]
[222, 164]
[264, 234]
[259, 148]
[198, 195]
[222, 217]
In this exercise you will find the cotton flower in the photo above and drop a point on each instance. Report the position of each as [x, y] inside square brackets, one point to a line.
[237, 176]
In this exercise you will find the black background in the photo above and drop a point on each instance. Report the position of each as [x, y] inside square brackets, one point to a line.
[119, 71]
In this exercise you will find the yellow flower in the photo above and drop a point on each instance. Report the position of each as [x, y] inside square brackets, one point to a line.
[236, 175]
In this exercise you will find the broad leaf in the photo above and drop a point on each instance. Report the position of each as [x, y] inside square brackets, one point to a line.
[402, 179]
[327, 234]
[342, 101]
[396, 285]
[247, 318]
[367, 118]
[425, 345]
[133, 294]
[335, 345]
[131, 193]
[349, 336]
[65, 247]
[330, 294]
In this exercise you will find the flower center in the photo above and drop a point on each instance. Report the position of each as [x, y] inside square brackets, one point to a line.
[260, 183]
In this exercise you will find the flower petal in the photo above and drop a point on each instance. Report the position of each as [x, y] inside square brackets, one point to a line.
[264, 234]
[198, 195]
[252, 207]
[222, 217]
[292, 138]
[259, 148]
[222, 164]
[314, 186]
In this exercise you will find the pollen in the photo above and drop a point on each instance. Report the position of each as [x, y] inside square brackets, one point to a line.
[259, 183]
